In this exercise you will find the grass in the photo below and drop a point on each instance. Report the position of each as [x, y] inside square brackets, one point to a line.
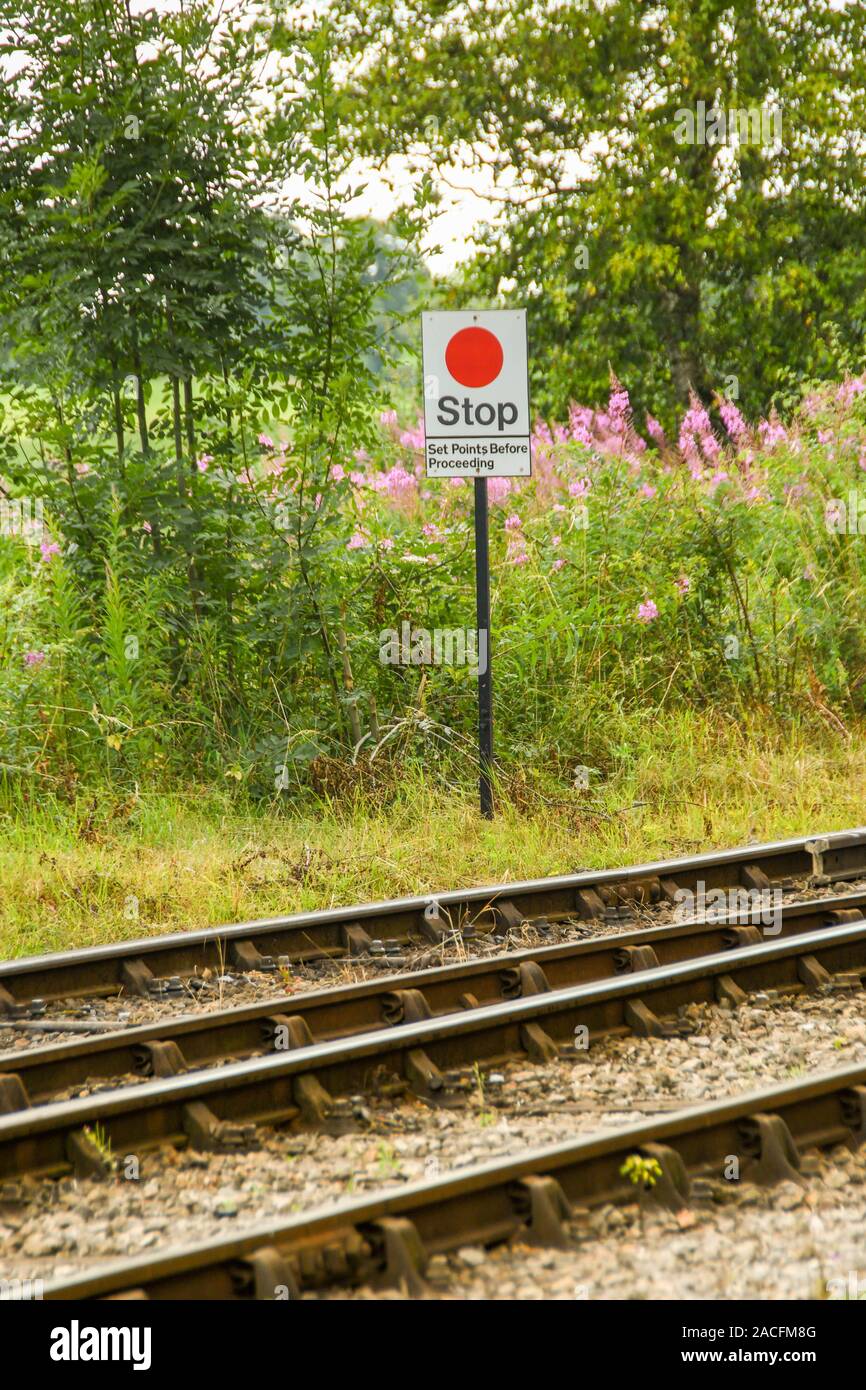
[111, 866]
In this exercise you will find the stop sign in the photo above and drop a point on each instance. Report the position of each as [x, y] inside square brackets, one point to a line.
[476, 393]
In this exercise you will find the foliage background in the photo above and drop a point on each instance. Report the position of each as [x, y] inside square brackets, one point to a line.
[200, 371]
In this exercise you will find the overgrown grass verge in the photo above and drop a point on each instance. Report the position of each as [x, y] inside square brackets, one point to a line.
[107, 867]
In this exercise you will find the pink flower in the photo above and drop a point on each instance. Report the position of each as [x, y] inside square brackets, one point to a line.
[146, 526]
[655, 431]
[516, 551]
[48, 549]
[82, 469]
[202, 463]
[266, 441]
[498, 489]
[732, 419]
[413, 439]
[647, 611]
[34, 658]
[580, 421]
[683, 583]
[558, 563]
[513, 522]
[357, 542]
[430, 530]
[772, 432]
[580, 488]
[648, 491]
[386, 544]
[618, 409]
[388, 418]
[556, 540]
[337, 473]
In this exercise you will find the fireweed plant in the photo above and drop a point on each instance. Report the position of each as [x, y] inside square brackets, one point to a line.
[634, 573]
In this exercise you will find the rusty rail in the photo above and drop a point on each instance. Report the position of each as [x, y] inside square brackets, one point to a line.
[213, 1109]
[388, 1239]
[140, 966]
[178, 1043]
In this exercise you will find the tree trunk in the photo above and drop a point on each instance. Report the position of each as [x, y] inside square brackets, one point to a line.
[680, 332]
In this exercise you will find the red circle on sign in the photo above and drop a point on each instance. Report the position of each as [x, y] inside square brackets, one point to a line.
[474, 357]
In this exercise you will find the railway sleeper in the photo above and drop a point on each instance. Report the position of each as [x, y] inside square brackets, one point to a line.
[629, 959]
[8, 1005]
[736, 938]
[538, 1044]
[671, 1186]
[87, 1158]
[287, 1032]
[771, 1152]
[752, 876]
[642, 1021]
[729, 992]
[207, 1133]
[138, 978]
[507, 916]
[356, 941]
[813, 974]
[435, 926]
[314, 1102]
[266, 1274]
[588, 903]
[853, 1107]
[159, 1059]
[522, 980]
[405, 1006]
[13, 1094]
[423, 1075]
[543, 1209]
[247, 957]
[399, 1255]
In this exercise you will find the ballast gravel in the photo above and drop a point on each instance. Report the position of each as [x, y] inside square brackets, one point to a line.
[54, 1229]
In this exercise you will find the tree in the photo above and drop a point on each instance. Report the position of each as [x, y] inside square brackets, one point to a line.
[713, 255]
[129, 238]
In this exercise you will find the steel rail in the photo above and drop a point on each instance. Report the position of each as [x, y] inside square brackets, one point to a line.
[139, 966]
[216, 1109]
[388, 1239]
[183, 1041]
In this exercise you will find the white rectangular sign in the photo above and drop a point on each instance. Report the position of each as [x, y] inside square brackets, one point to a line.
[476, 393]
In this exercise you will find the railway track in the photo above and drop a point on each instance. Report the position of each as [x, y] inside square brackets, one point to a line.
[320, 1085]
[178, 1043]
[155, 966]
[387, 1240]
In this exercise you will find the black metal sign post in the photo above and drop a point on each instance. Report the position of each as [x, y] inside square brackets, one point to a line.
[477, 422]
[482, 619]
